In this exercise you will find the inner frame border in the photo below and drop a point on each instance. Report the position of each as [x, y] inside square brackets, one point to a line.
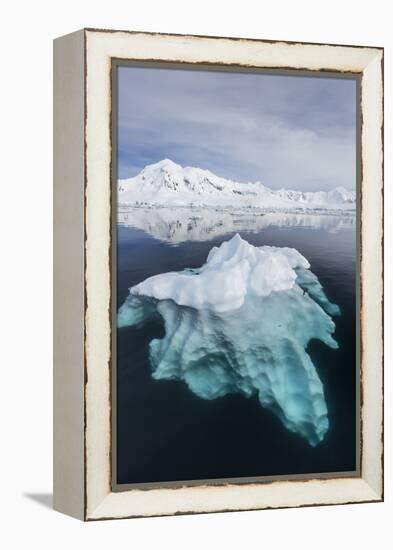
[115, 64]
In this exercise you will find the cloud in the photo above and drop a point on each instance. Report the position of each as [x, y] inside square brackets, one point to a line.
[286, 131]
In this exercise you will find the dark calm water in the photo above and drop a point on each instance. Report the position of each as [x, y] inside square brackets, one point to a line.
[166, 433]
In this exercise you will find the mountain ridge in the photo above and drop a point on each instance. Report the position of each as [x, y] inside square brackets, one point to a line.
[166, 183]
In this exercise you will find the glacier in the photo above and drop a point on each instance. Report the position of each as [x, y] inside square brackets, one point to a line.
[241, 323]
[166, 183]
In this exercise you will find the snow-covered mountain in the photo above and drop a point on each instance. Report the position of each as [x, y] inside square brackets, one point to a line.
[169, 184]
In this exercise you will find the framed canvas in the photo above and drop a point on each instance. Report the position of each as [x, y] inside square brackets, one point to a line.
[218, 331]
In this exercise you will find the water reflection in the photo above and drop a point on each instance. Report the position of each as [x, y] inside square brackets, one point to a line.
[177, 225]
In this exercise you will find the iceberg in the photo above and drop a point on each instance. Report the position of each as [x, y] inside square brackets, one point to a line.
[241, 323]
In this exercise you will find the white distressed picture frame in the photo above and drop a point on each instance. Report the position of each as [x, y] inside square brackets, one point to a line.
[82, 247]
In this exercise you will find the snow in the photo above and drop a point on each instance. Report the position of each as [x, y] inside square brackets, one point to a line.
[241, 324]
[169, 184]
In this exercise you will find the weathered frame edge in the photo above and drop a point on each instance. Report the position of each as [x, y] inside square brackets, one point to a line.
[69, 274]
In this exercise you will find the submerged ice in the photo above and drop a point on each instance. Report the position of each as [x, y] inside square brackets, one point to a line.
[241, 323]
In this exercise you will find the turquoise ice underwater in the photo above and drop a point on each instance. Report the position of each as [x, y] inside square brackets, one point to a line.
[241, 323]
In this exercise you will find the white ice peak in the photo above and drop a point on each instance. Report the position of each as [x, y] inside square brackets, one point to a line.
[231, 271]
[169, 184]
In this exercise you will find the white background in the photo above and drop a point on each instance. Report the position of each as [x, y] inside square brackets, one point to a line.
[28, 28]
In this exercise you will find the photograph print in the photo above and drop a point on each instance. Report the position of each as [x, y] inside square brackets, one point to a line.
[235, 271]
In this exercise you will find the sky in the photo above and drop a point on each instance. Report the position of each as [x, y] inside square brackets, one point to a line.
[292, 132]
